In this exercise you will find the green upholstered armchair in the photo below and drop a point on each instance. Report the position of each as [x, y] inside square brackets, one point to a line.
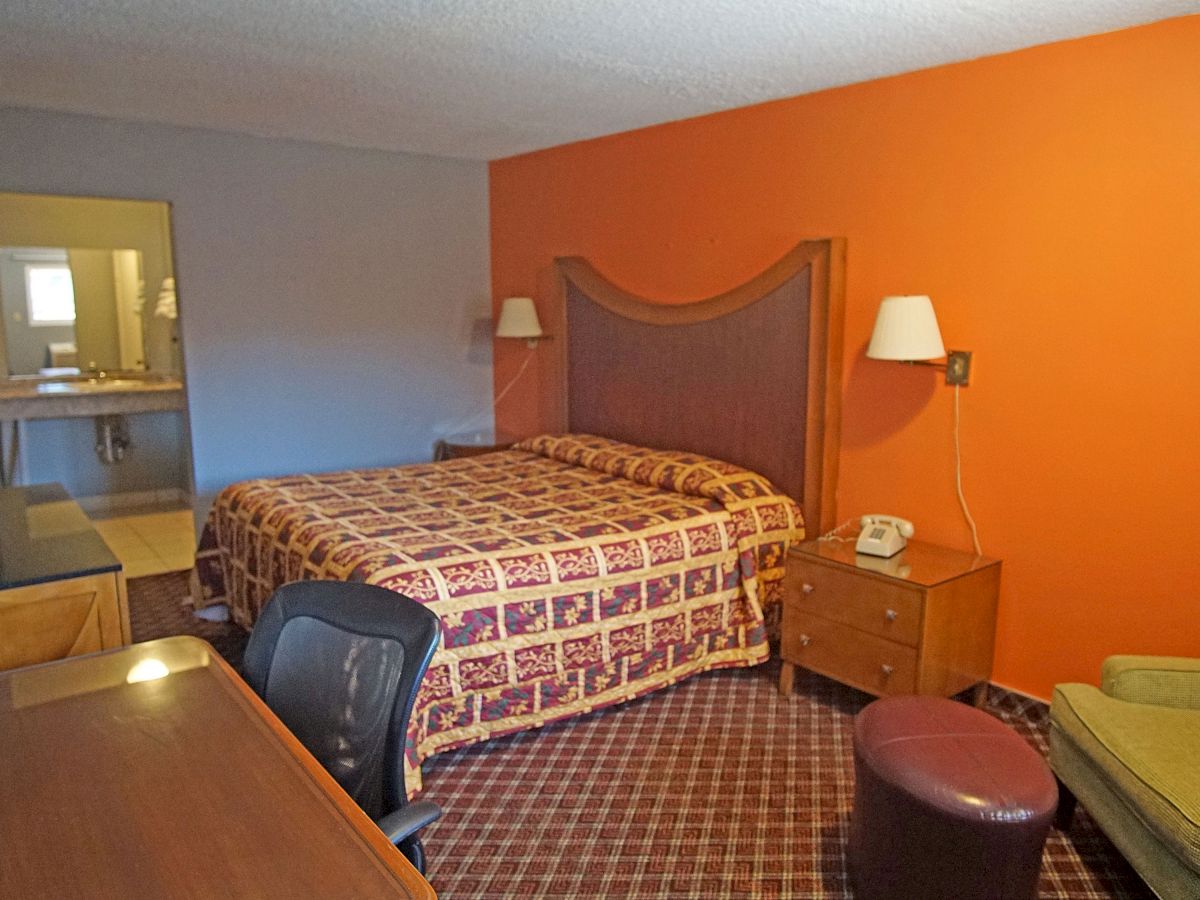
[1131, 752]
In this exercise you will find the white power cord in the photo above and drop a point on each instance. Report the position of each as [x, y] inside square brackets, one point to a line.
[833, 535]
[463, 423]
[958, 477]
[514, 379]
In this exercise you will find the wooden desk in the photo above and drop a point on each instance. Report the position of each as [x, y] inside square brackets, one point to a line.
[182, 785]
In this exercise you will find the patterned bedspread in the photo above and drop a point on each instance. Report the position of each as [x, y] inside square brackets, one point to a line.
[570, 573]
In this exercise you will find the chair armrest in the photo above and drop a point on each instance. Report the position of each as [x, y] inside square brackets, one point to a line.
[409, 819]
[1158, 680]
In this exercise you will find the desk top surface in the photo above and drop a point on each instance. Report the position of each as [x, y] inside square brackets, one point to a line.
[45, 536]
[154, 771]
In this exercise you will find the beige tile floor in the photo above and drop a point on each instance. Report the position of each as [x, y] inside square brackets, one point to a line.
[150, 543]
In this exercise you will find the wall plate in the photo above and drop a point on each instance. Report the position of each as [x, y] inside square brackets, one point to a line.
[958, 367]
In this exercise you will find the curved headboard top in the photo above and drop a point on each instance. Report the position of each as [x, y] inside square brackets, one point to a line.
[751, 376]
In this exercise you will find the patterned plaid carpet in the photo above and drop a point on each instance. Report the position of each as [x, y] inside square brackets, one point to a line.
[159, 607]
[717, 787]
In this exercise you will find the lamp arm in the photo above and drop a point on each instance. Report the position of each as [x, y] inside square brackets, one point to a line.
[957, 366]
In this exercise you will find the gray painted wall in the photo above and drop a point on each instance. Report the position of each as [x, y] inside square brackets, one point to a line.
[329, 298]
[62, 450]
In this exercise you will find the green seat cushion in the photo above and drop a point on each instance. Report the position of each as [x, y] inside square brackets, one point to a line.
[1148, 754]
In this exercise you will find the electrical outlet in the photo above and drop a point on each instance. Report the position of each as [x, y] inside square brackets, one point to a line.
[958, 367]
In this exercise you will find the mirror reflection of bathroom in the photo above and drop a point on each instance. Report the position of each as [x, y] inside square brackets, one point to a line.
[94, 396]
[81, 310]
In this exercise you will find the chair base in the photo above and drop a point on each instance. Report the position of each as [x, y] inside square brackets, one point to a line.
[414, 850]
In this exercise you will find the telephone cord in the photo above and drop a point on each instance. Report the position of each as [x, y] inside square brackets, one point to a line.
[832, 534]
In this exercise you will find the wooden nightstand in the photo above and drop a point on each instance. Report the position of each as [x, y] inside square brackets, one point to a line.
[456, 446]
[922, 622]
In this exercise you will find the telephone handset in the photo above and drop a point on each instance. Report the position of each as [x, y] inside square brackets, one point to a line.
[883, 535]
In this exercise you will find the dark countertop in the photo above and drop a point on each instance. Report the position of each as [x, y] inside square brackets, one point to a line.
[45, 536]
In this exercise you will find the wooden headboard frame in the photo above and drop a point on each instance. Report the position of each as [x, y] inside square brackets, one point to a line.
[751, 376]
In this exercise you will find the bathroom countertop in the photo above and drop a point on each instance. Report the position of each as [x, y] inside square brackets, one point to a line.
[45, 536]
[60, 399]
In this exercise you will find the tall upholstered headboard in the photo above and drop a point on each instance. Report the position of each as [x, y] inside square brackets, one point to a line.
[751, 376]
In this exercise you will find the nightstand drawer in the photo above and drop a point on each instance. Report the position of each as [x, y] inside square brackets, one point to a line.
[878, 607]
[851, 656]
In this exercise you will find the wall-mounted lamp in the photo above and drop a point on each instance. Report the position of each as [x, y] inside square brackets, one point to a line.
[906, 330]
[519, 319]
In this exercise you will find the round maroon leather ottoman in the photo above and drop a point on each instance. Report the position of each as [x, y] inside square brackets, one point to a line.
[948, 803]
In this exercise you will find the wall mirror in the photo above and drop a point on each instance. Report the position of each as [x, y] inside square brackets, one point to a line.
[86, 286]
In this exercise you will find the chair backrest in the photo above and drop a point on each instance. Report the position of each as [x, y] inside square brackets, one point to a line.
[340, 663]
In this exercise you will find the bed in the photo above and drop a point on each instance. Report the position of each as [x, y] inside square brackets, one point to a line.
[576, 571]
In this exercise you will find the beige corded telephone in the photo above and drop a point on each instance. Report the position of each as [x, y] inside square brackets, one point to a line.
[883, 535]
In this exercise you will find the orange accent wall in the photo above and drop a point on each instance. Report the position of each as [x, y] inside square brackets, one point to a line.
[1049, 202]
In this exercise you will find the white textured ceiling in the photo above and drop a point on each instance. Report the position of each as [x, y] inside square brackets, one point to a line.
[480, 79]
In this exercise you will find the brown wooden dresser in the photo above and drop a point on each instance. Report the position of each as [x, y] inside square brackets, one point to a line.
[921, 622]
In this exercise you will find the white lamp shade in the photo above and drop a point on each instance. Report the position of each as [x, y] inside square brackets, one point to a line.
[518, 319]
[906, 328]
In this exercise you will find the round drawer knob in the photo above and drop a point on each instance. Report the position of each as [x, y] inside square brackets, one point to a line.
[805, 640]
[887, 670]
[807, 588]
[890, 615]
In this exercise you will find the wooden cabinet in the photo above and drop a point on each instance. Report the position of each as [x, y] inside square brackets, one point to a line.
[57, 619]
[62, 592]
[922, 622]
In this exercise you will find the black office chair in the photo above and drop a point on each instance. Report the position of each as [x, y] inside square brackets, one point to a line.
[340, 663]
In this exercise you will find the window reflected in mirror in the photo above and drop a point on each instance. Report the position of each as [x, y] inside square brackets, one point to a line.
[49, 290]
